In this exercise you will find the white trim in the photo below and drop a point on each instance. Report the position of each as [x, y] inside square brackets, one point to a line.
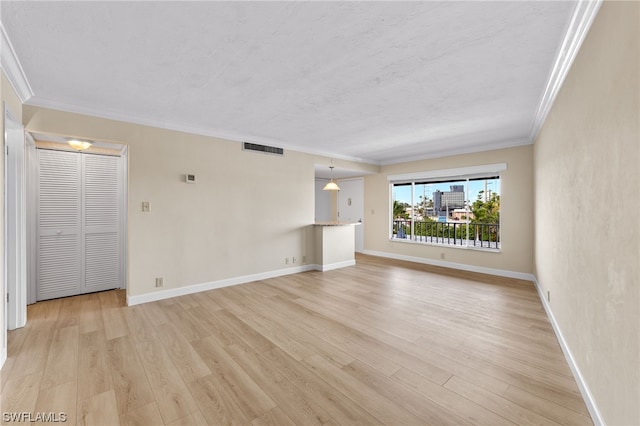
[197, 288]
[181, 291]
[236, 136]
[178, 127]
[337, 265]
[15, 219]
[12, 68]
[124, 206]
[31, 176]
[449, 152]
[466, 172]
[452, 265]
[581, 21]
[3, 284]
[582, 384]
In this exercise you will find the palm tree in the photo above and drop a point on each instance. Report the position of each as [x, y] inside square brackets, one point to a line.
[399, 210]
[486, 212]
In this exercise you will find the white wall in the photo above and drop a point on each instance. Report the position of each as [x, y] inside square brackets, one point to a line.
[587, 191]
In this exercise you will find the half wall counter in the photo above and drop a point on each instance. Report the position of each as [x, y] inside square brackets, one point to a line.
[335, 244]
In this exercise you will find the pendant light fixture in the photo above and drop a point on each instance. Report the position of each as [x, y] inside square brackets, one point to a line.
[79, 145]
[331, 186]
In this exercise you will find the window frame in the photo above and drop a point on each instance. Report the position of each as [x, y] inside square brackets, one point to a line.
[460, 174]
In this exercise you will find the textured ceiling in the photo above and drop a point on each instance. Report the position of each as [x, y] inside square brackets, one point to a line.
[378, 81]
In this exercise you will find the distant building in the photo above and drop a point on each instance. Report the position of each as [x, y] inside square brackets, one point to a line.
[447, 201]
[461, 214]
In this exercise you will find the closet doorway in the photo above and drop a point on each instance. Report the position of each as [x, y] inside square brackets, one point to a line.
[80, 205]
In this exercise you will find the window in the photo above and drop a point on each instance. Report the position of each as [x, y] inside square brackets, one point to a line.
[458, 208]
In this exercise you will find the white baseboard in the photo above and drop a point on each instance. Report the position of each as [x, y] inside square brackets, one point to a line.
[3, 357]
[452, 265]
[582, 384]
[196, 288]
[337, 265]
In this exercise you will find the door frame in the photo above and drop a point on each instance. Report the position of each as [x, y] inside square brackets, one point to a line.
[15, 242]
[32, 200]
[124, 215]
[31, 171]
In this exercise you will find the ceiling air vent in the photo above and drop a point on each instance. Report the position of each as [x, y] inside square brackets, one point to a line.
[247, 146]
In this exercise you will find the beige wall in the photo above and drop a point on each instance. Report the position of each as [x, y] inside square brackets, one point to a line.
[587, 158]
[10, 100]
[516, 212]
[246, 213]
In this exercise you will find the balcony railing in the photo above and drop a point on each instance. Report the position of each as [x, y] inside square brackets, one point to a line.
[481, 235]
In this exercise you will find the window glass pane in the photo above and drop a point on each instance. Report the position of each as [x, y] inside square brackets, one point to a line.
[485, 200]
[455, 212]
[401, 227]
[447, 197]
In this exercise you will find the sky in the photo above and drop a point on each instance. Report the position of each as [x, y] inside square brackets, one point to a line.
[403, 193]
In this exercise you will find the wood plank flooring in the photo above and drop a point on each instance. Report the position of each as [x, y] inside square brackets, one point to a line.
[382, 342]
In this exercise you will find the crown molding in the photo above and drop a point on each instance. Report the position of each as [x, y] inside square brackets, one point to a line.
[583, 16]
[449, 152]
[12, 68]
[235, 136]
[178, 127]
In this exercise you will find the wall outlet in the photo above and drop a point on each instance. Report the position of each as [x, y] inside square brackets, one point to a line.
[442, 256]
[160, 282]
[293, 259]
[145, 207]
[548, 296]
[286, 260]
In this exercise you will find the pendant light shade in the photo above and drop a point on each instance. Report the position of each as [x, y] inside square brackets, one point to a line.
[331, 186]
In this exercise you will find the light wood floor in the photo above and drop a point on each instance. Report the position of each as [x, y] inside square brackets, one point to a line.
[383, 342]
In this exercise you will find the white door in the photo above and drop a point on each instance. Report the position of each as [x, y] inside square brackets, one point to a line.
[101, 222]
[351, 207]
[78, 217]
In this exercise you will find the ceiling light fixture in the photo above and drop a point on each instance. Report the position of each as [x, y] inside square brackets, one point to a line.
[331, 186]
[79, 145]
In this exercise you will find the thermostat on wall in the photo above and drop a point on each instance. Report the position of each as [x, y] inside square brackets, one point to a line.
[190, 178]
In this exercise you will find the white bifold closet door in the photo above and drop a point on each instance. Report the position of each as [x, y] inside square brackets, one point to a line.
[78, 217]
